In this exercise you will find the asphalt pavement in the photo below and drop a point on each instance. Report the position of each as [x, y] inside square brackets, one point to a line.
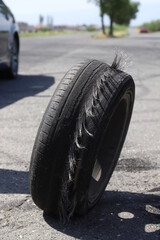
[130, 206]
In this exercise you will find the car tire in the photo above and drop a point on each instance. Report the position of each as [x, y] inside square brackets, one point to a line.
[14, 60]
[90, 109]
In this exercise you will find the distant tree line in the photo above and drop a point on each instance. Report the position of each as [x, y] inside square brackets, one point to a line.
[118, 11]
[153, 26]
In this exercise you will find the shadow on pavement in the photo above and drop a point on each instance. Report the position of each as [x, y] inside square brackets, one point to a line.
[24, 86]
[119, 215]
[15, 182]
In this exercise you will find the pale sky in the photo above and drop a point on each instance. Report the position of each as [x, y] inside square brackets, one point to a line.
[74, 12]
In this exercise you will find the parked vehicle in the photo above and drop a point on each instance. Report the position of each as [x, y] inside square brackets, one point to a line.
[9, 42]
[143, 30]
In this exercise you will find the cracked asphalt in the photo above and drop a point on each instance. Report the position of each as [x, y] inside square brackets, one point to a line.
[130, 206]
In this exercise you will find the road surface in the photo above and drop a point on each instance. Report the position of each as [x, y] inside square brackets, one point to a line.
[130, 206]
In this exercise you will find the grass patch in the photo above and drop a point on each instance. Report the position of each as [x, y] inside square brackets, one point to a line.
[99, 35]
[118, 28]
[46, 33]
[120, 31]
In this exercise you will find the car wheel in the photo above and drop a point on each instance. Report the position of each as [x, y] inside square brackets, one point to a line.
[13, 69]
[80, 138]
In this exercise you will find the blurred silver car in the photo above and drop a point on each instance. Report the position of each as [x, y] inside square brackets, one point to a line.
[9, 42]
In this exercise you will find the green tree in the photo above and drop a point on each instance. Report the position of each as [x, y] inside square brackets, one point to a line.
[102, 12]
[101, 4]
[119, 11]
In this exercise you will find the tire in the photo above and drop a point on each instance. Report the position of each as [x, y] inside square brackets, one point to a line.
[14, 61]
[90, 109]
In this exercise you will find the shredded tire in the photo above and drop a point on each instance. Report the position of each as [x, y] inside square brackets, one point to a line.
[80, 138]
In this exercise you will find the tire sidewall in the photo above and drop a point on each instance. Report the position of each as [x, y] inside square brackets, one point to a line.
[93, 144]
